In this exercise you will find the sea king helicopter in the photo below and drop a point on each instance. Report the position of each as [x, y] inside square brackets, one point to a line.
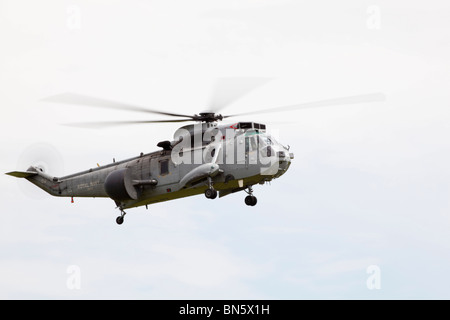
[204, 157]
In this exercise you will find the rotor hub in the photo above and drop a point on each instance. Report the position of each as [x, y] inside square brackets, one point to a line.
[208, 117]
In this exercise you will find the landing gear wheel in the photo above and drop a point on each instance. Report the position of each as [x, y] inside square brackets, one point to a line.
[119, 220]
[210, 193]
[250, 200]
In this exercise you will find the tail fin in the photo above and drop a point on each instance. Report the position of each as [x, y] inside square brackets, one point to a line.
[36, 176]
[21, 174]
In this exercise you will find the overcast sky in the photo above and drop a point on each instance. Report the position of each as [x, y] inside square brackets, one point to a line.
[368, 188]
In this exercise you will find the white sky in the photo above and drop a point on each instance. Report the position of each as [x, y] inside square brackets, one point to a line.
[369, 184]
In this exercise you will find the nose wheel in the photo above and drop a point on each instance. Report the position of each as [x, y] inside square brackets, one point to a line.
[250, 200]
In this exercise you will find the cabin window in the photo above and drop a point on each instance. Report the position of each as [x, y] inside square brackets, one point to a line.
[164, 167]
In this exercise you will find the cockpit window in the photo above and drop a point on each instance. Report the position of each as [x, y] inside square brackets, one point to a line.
[259, 138]
[265, 140]
[253, 143]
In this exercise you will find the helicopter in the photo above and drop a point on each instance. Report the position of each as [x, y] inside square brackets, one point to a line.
[202, 158]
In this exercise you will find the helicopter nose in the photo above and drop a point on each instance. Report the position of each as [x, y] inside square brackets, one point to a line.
[284, 161]
[285, 156]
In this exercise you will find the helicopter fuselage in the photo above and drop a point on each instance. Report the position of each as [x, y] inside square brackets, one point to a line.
[205, 158]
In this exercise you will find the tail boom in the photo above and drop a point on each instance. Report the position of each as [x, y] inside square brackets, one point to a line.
[74, 186]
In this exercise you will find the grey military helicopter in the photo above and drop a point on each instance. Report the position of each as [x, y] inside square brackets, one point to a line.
[205, 157]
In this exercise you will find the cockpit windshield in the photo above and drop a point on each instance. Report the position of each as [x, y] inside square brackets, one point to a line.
[266, 140]
[263, 138]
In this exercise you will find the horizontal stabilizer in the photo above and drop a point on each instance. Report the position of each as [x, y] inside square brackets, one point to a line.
[21, 174]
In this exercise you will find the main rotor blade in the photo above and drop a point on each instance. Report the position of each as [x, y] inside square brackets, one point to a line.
[363, 98]
[107, 124]
[78, 99]
[228, 90]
